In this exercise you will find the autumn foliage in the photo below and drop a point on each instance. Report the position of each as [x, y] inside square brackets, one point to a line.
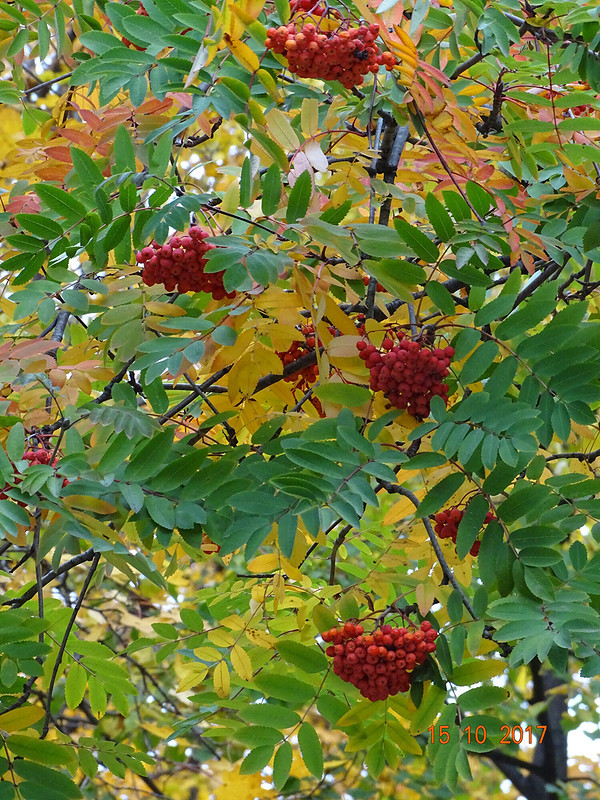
[299, 391]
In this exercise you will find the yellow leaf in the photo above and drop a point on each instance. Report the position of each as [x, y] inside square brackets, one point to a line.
[234, 622]
[246, 57]
[261, 638]
[207, 653]
[221, 679]
[425, 593]
[309, 116]
[265, 563]
[220, 638]
[281, 130]
[231, 198]
[20, 718]
[241, 663]
[165, 309]
[89, 504]
[193, 675]
[267, 81]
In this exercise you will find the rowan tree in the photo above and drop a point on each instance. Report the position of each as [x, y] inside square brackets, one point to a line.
[299, 434]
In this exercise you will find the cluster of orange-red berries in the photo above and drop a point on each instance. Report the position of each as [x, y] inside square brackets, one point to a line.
[179, 264]
[379, 664]
[307, 6]
[307, 375]
[447, 522]
[408, 373]
[346, 54]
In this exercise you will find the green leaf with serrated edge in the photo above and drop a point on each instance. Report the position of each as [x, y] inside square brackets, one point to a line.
[375, 759]
[439, 495]
[42, 752]
[477, 670]
[284, 687]
[471, 524]
[15, 443]
[46, 778]
[418, 242]
[441, 297]
[282, 764]
[270, 714]
[309, 659]
[256, 760]
[428, 710]
[360, 711]
[86, 168]
[343, 394]
[299, 198]
[75, 685]
[60, 201]
[123, 154]
[478, 362]
[439, 217]
[482, 697]
[311, 750]
[402, 738]
[40, 226]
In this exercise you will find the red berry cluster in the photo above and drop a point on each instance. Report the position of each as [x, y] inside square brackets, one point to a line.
[379, 664]
[307, 7]
[141, 12]
[447, 522]
[180, 264]
[409, 373]
[345, 54]
[303, 377]
[37, 455]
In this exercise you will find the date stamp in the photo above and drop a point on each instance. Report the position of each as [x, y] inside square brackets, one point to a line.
[511, 735]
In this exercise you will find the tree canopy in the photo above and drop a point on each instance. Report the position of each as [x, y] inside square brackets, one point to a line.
[299, 392]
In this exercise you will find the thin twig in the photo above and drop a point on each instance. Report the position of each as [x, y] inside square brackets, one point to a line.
[63, 644]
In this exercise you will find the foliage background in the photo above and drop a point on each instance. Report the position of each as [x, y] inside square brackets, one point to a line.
[137, 661]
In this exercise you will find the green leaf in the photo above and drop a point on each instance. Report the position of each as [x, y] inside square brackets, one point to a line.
[40, 751]
[271, 190]
[269, 714]
[60, 201]
[75, 685]
[256, 760]
[310, 747]
[282, 764]
[284, 687]
[86, 169]
[442, 298]
[471, 524]
[45, 778]
[478, 362]
[482, 697]
[258, 736]
[429, 708]
[40, 226]
[440, 494]
[418, 242]
[477, 670]
[396, 275]
[310, 659]
[15, 443]
[438, 216]
[344, 394]
[299, 198]
[123, 153]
